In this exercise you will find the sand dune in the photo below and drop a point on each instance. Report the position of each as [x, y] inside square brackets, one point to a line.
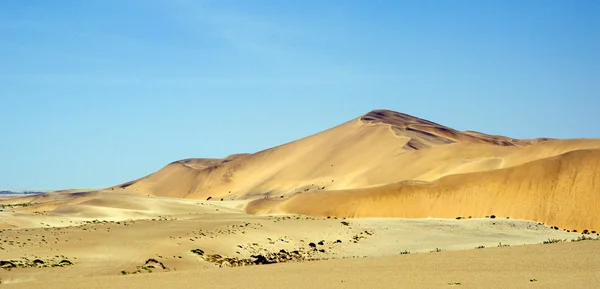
[368, 151]
[560, 191]
[471, 173]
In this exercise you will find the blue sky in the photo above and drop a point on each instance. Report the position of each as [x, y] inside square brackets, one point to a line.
[99, 92]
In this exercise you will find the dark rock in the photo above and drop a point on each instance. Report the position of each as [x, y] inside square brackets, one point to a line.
[65, 263]
[261, 260]
[7, 264]
[152, 261]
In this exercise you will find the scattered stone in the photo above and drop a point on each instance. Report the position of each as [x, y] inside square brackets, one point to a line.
[7, 265]
[154, 262]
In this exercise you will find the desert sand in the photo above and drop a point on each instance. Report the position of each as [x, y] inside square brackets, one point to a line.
[385, 200]
[107, 238]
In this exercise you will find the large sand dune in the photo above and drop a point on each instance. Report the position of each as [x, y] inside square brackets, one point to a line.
[390, 164]
[380, 185]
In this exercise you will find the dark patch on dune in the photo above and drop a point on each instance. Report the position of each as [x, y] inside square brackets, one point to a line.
[81, 194]
[125, 185]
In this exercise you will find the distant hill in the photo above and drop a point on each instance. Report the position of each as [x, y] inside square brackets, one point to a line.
[20, 193]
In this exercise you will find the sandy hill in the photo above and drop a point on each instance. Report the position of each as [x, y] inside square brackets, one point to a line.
[386, 163]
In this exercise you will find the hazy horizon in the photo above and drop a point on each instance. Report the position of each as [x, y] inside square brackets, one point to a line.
[98, 93]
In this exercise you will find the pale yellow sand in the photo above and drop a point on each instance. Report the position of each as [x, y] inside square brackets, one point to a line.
[105, 233]
[548, 266]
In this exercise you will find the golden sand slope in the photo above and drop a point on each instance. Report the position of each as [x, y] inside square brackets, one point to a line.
[561, 191]
[473, 174]
[379, 148]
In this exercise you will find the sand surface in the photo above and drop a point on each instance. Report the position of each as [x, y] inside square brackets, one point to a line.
[570, 265]
[106, 234]
[385, 200]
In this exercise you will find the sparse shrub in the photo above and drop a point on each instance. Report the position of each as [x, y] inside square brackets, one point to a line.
[458, 218]
[480, 247]
[405, 252]
[123, 272]
[492, 217]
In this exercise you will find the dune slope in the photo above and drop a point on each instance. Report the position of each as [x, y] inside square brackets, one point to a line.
[561, 191]
[379, 148]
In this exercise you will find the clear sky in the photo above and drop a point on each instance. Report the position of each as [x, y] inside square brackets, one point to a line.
[99, 92]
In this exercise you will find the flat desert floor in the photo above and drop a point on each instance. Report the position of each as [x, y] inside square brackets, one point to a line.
[120, 240]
